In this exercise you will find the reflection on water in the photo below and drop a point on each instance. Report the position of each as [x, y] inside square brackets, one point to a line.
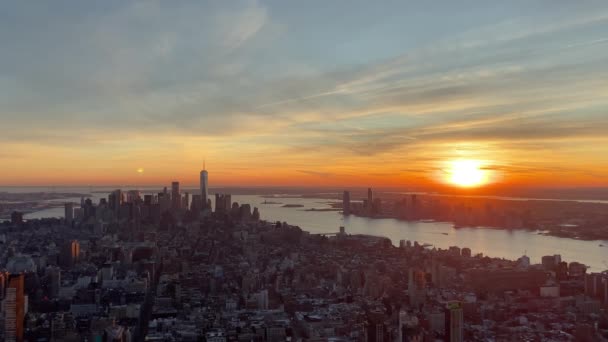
[492, 242]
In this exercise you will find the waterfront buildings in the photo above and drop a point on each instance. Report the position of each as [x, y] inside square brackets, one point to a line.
[346, 203]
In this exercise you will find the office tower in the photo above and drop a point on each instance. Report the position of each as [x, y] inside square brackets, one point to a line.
[16, 218]
[186, 201]
[549, 262]
[204, 188]
[346, 203]
[115, 199]
[197, 203]
[14, 308]
[69, 213]
[416, 287]
[408, 329]
[53, 274]
[401, 327]
[164, 202]
[374, 329]
[454, 322]
[133, 196]
[263, 300]
[377, 206]
[69, 254]
[176, 197]
[89, 209]
[223, 203]
[413, 208]
[148, 200]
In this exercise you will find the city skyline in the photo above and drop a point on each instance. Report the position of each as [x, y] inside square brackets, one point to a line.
[136, 92]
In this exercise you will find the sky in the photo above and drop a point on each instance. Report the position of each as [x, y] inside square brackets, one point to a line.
[324, 93]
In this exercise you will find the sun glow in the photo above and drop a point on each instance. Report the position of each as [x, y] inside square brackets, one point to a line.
[466, 173]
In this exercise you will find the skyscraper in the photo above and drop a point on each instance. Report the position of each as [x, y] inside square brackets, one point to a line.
[346, 203]
[176, 197]
[69, 213]
[454, 322]
[14, 308]
[222, 203]
[115, 199]
[204, 188]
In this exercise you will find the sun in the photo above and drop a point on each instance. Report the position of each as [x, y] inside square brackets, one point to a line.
[466, 173]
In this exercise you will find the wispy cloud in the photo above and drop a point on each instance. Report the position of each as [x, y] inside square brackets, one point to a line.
[251, 77]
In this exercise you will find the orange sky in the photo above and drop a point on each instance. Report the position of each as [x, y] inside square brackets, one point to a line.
[269, 99]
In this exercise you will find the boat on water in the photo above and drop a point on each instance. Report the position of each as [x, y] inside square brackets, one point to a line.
[270, 202]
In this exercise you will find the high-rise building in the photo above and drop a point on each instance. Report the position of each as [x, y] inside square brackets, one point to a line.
[223, 203]
[164, 202]
[454, 322]
[176, 197]
[346, 203]
[70, 253]
[69, 213]
[186, 201]
[14, 308]
[53, 274]
[197, 203]
[16, 217]
[416, 287]
[133, 196]
[204, 186]
[115, 199]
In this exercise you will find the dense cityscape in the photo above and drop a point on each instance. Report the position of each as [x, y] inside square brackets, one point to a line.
[169, 267]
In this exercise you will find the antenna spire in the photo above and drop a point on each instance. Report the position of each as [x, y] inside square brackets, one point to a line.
[204, 165]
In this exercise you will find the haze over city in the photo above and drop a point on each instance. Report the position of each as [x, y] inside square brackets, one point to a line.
[326, 94]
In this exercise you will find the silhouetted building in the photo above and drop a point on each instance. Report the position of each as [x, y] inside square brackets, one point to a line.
[115, 199]
[16, 218]
[133, 196]
[197, 203]
[176, 197]
[223, 203]
[346, 203]
[69, 213]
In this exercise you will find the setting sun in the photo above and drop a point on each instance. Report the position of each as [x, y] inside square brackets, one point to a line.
[466, 173]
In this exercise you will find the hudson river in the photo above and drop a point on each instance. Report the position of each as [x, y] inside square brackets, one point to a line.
[492, 242]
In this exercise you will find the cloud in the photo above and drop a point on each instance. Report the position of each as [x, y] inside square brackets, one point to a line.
[250, 77]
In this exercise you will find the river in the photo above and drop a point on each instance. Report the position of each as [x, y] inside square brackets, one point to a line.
[510, 244]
